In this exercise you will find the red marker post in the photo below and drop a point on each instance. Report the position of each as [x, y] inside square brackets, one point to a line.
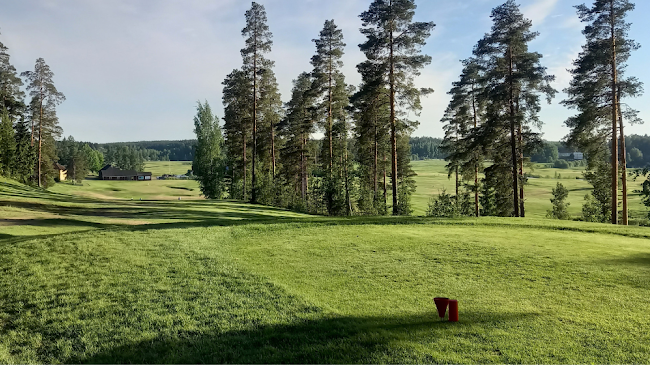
[453, 310]
[441, 304]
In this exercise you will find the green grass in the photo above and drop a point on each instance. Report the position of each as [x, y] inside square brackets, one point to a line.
[106, 281]
[432, 179]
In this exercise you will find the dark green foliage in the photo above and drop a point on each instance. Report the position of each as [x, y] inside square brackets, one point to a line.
[25, 156]
[546, 153]
[645, 187]
[157, 150]
[209, 166]
[448, 206]
[11, 95]
[124, 157]
[79, 158]
[7, 145]
[561, 164]
[426, 148]
[559, 211]
[597, 206]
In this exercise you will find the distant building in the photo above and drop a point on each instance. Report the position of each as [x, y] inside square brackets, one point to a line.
[113, 173]
[573, 156]
[62, 170]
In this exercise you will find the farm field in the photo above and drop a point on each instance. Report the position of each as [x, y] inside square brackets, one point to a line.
[88, 280]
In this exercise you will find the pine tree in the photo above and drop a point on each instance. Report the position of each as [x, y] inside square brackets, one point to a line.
[269, 115]
[514, 79]
[209, 159]
[237, 124]
[25, 155]
[392, 46]
[258, 43]
[599, 84]
[45, 125]
[296, 129]
[7, 144]
[372, 127]
[462, 118]
[11, 95]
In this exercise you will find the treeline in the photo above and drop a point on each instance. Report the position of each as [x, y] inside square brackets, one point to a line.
[266, 153]
[493, 114]
[158, 150]
[427, 148]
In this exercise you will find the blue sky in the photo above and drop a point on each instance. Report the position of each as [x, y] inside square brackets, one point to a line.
[134, 69]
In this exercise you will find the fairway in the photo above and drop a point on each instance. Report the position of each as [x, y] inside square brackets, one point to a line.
[96, 281]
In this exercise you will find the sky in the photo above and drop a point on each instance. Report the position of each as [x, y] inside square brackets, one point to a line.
[134, 70]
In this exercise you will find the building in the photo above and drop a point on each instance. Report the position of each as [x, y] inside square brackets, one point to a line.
[113, 173]
[573, 156]
[62, 171]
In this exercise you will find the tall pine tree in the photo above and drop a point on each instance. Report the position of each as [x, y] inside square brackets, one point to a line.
[598, 85]
[392, 46]
[11, 95]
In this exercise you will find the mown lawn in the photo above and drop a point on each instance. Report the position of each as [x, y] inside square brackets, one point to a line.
[94, 281]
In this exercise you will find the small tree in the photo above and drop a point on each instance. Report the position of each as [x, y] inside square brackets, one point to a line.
[559, 211]
[209, 159]
[7, 145]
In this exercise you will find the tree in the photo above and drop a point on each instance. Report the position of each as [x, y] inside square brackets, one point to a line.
[11, 95]
[392, 47]
[514, 79]
[327, 64]
[25, 155]
[7, 145]
[462, 118]
[237, 124]
[258, 42]
[296, 129]
[45, 125]
[598, 86]
[559, 211]
[209, 159]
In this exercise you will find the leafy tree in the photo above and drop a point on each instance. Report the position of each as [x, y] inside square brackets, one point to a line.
[513, 79]
[547, 153]
[11, 95]
[209, 159]
[559, 211]
[7, 145]
[597, 207]
[258, 43]
[598, 86]
[636, 156]
[45, 123]
[645, 187]
[392, 51]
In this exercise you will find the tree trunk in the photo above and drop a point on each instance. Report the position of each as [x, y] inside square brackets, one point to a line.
[393, 122]
[623, 154]
[348, 202]
[375, 177]
[385, 185]
[303, 190]
[329, 112]
[477, 210]
[522, 211]
[513, 137]
[614, 121]
[253, 172]
[244, 162]
[272, 146]
[40, 139]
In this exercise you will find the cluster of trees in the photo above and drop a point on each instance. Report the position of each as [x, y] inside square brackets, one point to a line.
[124, 157]
[270, 156]
[28, 130]
[427, 148]
[79, 158]
[494, 110]
[158, 150]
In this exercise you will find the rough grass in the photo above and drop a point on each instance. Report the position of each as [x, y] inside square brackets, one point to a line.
[94, 281]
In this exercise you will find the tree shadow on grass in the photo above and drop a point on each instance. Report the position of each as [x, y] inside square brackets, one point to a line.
[327, 340]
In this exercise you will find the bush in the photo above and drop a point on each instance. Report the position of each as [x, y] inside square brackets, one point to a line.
[592, 212]
[559, 211]
[561, 164]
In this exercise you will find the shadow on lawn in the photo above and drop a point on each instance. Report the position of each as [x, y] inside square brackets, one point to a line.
[327, 340]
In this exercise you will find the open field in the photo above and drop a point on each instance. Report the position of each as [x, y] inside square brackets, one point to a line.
[90, 280]
[432, 178]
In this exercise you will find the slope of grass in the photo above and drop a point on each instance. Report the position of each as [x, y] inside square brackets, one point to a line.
[196, 281]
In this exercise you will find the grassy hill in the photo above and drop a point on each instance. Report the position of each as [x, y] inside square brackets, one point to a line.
[93, 280]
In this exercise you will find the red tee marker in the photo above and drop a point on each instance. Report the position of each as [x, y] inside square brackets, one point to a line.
[453, 310]
[441, 304]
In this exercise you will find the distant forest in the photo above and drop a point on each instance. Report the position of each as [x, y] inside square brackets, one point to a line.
[422, 148]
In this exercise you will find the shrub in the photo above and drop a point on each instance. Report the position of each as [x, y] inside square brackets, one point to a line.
[561, 164]
[559, 211]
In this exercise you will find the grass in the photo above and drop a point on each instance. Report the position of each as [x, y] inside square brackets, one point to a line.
[85, 280]
[432, 179]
